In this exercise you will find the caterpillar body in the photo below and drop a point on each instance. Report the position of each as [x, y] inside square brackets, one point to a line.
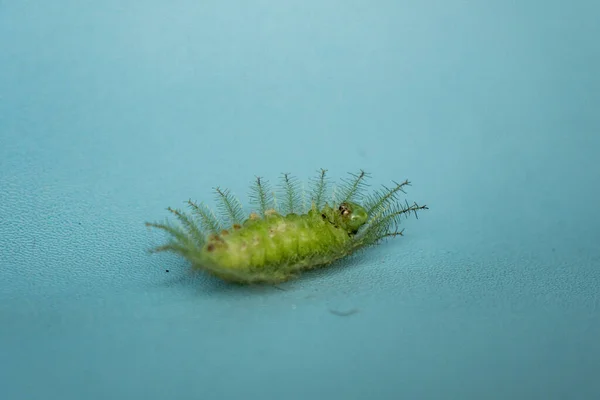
[279, 240]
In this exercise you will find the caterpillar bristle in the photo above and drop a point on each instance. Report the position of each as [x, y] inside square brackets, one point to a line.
[351, 189]
[174, 231]
[229, 207]
[379, 225]
[381, 198]
[318, 189]
[205, 216]
[261, 196]
[291, 198]
[189, 225]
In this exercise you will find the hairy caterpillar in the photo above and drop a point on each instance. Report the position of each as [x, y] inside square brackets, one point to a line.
[284, 237]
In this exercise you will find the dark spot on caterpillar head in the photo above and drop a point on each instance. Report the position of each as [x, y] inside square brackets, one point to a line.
[237, 226]
[344, 209]
[224, 232]
[210, 247]
[323, 216]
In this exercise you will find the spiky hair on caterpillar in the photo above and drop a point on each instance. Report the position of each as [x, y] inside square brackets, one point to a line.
[284, 235]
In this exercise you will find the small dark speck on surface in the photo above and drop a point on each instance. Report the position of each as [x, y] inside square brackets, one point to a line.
[166, 270]
[346, 313]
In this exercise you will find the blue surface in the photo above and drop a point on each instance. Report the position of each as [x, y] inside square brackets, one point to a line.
[110, 111]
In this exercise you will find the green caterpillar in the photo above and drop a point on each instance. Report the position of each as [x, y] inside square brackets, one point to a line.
[284, 237]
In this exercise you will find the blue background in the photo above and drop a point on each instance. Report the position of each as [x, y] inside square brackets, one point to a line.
[110, 111]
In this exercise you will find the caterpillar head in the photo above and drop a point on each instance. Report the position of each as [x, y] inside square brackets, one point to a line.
[348, 216]
[352, 216]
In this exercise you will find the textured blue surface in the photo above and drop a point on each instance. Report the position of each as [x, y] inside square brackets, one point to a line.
[111, 111]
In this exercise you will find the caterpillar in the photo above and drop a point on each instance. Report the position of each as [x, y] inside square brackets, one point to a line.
[283, 236]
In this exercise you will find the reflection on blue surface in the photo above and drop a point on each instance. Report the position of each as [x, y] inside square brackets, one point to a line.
[111, 111]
